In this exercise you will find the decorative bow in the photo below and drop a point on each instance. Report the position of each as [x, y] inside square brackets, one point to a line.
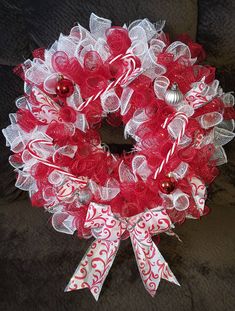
[108, 229]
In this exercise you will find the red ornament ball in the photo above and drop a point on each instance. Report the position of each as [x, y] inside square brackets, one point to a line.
[64, 88]
[167, 185]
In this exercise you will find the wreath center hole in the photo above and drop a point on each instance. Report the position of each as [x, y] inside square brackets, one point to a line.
[113, 137]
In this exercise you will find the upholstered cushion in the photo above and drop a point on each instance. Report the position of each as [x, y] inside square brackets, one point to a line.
[216, 31]
[28, 24]
[14, 36]
[11, 87]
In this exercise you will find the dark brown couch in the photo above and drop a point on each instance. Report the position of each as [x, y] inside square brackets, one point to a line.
[37, 262]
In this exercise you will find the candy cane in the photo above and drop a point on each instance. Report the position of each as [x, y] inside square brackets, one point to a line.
[123, 80]
[176, 142]
[48, 163]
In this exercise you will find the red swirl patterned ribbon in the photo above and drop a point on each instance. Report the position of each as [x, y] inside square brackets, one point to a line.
[107, 229]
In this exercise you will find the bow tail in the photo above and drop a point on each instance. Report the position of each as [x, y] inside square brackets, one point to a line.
[152, 265]
[163, 268]
[94, 267]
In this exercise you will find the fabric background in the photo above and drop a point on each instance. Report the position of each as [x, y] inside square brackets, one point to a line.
[35, 261]
[28, 24]
[216, 31]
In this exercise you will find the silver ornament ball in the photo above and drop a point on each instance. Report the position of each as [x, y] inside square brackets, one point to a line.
[173, 96]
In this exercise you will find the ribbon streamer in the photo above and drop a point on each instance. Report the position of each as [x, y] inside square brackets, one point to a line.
[107, 230]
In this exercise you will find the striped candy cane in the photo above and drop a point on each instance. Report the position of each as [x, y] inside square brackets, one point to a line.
[30, 148]
[123, 80]
[176, 142]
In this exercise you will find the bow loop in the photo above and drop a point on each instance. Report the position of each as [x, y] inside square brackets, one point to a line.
[150, 223]
[157, 221]
[102, 222]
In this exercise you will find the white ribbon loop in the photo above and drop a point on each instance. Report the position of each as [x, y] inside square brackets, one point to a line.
[199, 193]
[98, 26]
[160, 86]
[108, 229]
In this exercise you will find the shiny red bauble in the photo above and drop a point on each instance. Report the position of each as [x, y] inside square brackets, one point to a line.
[167, 185]
[64, 88]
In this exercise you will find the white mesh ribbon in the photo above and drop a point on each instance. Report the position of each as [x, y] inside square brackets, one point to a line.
[148, 28]
[185, 108]
[139, 117]
[180, 171]
[140, 167]
[75, 99]
[67, 45]
[63, 222]
[160, 86]
[125, 173]
[17, 138]
[22, 103]
[228, 99]
[28, 161]
[107, 192]
[98, 26]
[219, 156]
[15, 162]
[49, 84]
[177, 200]
[227, 125]
[157, 46]
[68, 151]
[125, 99]
[86, 44]
[139, 45]
[181, 51]
[148, 52]
[110, 102]
[175, 128]
[152, 68]
[180, 200]
[41, 148]
[146, 45]
[25, 181]
[222, 136]
[38, 71]
[81, 122]
[56, 178]
[210, 119]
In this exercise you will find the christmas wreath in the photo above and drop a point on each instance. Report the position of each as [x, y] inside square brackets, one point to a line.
[172, 107]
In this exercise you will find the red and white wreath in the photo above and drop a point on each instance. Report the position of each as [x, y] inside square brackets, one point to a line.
[172, 107]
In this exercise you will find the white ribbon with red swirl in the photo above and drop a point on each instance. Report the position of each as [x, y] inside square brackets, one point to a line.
[107, 229]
